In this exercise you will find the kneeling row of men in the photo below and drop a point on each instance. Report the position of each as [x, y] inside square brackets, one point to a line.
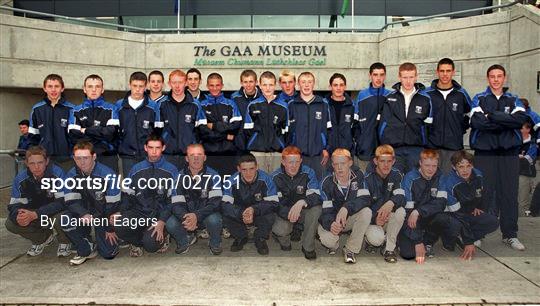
[395, 212]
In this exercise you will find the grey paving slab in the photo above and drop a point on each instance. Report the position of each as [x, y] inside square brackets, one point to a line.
[282, 278]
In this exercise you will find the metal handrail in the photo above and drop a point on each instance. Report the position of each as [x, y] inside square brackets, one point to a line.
[480, 9]
[284, 29]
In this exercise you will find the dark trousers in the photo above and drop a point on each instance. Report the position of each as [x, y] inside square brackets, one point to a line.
[110, 161]
[224, 162]
[140, 236]
[408, 237]
[535, 202]
[212, 223]
[237, 227]
[81, 237]
[178, 160]
[446, 226]
[407, 158]
[35, 232]
[128, 162]
[314, 162]
[501, 183]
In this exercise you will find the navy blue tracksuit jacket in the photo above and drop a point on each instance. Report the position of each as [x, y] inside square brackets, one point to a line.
[135, 125]
[309, 124]
[369, 105]
[49, 127]
[99, 119]
[399, 130]
[450, 117]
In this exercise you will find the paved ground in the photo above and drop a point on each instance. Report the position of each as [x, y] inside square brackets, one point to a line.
[498, 275]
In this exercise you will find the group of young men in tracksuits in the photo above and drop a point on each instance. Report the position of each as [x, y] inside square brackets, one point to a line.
[388, 167]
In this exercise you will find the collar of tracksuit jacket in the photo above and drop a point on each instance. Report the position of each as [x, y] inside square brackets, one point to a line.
[125, 101]
[87, 103]
[285, 97]
[316, 99]
[346, 102]
[242, 93]
[186, 171]
[188, 98]
[157, 164]
[212, 100]
[455, 85]
[376, 91]
[354, 173]
[418, 86]
[62, 101]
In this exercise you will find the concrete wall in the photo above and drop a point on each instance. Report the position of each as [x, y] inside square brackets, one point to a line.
[31, 49]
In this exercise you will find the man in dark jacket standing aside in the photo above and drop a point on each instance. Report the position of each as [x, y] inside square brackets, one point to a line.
[497, 117]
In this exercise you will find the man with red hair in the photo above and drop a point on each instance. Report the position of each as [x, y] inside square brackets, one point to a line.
[299, 201]
[424, 200]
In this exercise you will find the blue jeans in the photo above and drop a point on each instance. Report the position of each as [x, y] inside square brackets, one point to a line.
[212, 223]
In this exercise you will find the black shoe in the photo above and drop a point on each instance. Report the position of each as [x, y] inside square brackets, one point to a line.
[262, 247]
[282, 246]
[296, 234]
[309, 255]
[238, 244]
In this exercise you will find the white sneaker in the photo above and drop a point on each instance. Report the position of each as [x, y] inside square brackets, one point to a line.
[64, 250]
[135, 251]
[514, 243]
[37, 249]
[203, 234]
[165, 246]
[478, 243]
[225, 232]
[79, 260]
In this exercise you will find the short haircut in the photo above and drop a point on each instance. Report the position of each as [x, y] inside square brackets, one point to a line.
[342, 152]
[246, 158]
[267, 75]
[494, 67]
[306, 74]
[53, 77]
[248, 73]
[446, 61]
[214, 76]
[156, 72]
[287, 73]
[377, 65]
[461, 155]
[429, 154]
[527, 124]
[138, 76]
[24, 122]
[177, 72]
[92, 77]
[338, 76]
[194, 146]
[407, 66]
[154, 137]
[291, 150]
[36, 150]
[84, 145]
[194, 70]
[384, 149]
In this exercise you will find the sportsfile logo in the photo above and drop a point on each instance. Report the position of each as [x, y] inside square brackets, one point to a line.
[197, 182]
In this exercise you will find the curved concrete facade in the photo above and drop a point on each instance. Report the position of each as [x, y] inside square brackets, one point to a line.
[30, 49]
